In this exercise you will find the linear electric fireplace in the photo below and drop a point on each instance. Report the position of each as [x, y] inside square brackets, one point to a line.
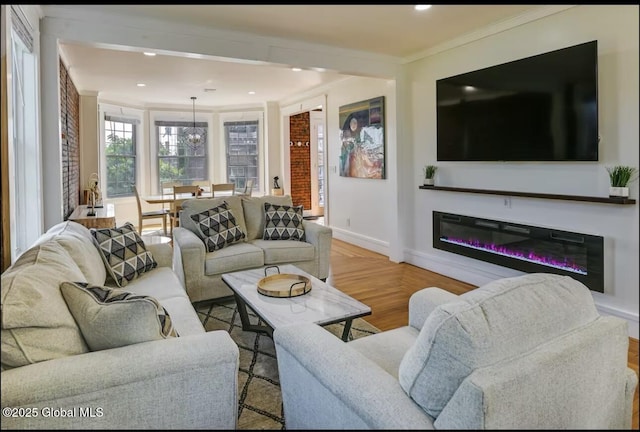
[522, 247]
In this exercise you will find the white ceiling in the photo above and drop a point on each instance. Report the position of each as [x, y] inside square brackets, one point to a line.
[393, 30]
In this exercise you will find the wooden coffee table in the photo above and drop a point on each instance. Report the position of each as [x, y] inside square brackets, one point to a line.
[322, 305]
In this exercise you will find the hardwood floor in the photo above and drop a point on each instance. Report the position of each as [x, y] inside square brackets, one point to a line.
[386, 287]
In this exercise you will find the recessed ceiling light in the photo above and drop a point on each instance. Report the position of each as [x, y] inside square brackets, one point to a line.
[252, 92]
[141, 85]
[422, 7]
[150, 54]
[319, 69]
[295, 69]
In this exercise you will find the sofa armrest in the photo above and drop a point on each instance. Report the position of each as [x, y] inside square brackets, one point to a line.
[162, 253]
[326, 384]
[185, 382]
[423, 302]
[188, 256]
[630, 390]
[319, 236]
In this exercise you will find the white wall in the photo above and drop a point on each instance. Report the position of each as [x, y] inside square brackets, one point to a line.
[89, 138]
[616, 30]
[362, 210]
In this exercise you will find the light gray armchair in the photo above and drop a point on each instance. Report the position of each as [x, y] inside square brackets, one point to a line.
[528, 352]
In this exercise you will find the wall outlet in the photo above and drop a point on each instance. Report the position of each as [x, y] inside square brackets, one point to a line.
[348, 222]
[507, 202]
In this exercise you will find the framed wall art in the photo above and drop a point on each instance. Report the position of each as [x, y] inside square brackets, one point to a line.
[362, 153]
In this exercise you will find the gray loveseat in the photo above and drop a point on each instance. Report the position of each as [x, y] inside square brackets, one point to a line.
[52, 380]
[201, 272]
[529, 352]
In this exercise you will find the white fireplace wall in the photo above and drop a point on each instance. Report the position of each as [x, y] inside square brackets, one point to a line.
[616, 30]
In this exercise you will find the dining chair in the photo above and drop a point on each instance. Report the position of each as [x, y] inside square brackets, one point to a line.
[223, 187]
[180, 194]
[166, 188]
[152, 214]
[248, 189]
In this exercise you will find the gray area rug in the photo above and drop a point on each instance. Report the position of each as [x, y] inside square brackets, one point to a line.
[260, 401]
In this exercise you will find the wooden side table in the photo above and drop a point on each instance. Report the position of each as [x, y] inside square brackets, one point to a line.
[105, 217]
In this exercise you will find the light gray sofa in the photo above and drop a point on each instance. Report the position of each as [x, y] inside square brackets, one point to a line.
[53, 381]
[520, 353]
[201, 272]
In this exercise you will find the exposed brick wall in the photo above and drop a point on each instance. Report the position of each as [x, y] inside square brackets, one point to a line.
[70, 124]
[300, 160]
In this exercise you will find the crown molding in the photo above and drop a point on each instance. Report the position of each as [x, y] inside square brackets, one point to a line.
[499, 27]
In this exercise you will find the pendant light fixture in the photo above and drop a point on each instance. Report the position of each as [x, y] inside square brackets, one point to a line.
[194, 137]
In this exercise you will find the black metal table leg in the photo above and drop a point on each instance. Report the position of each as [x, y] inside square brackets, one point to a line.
[244, 319]
[347, 330]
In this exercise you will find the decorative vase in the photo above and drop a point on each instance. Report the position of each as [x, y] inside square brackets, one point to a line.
[429, 182]
[619, 192]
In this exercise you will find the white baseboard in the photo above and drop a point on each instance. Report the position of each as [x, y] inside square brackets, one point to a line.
[363, 241]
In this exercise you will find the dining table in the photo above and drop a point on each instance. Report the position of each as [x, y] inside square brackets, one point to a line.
[168, 197]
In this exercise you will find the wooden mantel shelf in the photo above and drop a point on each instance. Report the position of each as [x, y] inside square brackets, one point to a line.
[604, 200]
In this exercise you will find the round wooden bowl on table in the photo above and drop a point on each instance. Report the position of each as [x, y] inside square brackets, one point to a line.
[283, 284]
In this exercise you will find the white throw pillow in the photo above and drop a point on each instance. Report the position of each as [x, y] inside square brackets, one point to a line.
[112, 317]
[36, 322]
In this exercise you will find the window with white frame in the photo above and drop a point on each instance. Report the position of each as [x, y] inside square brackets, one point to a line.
[180, 160]
[26, 219]
[120, 154]
[242, 152]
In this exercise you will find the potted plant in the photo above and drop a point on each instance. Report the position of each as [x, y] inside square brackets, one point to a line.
[620, 176]
[429, 172]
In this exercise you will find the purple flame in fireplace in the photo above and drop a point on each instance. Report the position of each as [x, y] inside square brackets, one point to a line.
[531, 256]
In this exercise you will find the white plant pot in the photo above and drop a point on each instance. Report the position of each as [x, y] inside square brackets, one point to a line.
[428, 182]
[619, 192]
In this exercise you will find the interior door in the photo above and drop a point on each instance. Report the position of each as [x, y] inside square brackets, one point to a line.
[317, 144]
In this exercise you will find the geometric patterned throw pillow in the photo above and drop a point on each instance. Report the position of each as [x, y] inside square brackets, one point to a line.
[218, 226]
[123, 252]
[283, 222]
[111, 317]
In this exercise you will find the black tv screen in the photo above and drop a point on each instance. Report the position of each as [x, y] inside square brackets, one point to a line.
[540, 108]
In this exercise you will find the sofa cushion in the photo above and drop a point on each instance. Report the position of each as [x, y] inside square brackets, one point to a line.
[194, 206]
[111, 318]
[285, 251]
[161, 283]
[76, 239]
[218, 226]
[254, 213]
[123, 252]
[183, 315]
[238, 256]
[36, 323]
[485, 326]
[283, 222]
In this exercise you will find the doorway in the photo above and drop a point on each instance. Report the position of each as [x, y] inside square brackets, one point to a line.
[304, 162]
[317, 150]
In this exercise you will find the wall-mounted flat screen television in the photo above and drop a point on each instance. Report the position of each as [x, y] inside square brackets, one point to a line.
[540, 108]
